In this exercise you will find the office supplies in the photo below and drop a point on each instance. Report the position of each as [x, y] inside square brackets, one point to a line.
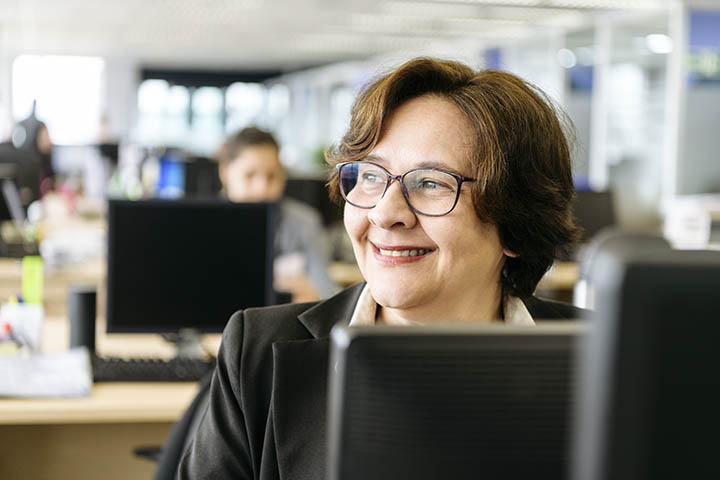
[22, 323]
[186, 264]
[649, 387]
[481, 401]
[63, 374]
[32, 279]
[178, 369]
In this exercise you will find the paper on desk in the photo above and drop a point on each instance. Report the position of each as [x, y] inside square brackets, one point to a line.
[62, 374]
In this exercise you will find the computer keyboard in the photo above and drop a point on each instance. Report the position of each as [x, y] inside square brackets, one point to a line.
[112, 369]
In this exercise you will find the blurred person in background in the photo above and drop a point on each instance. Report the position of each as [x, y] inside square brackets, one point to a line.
[250, 171]
[31, 136]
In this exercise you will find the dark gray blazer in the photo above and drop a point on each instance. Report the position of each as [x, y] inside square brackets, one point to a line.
[266, 416]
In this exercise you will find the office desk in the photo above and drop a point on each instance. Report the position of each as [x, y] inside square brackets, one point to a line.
[93, 437]
[89, 438]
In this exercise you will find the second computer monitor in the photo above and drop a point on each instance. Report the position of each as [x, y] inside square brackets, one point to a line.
[650, 388]
[186, 264]
[450, 402]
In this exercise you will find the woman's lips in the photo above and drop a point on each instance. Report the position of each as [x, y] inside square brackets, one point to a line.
[396, 255]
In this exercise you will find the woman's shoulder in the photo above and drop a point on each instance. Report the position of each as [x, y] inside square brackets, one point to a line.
[272, 323]
[292, 321]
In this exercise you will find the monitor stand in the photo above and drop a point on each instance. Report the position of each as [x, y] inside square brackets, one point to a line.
[187, 343]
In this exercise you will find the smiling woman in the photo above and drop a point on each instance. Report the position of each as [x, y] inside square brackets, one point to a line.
[457, 193]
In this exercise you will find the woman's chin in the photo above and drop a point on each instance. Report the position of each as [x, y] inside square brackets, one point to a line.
[397, 297]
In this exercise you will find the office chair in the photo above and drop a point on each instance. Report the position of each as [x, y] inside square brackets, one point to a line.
[610, 240]
[168, 457]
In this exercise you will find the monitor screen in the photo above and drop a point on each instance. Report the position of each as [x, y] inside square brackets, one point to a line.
[314, 192]
[649, 389]
[483, 401]
[186, 264]
[201, 177]
[593, 212]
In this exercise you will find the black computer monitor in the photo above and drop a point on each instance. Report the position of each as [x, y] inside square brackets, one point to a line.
[456, 402]
[314, 192]
[594, 210]
[649, 382]
[201, 177]
[186, 264]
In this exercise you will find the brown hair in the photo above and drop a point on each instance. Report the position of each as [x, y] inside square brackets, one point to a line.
[247, 137]
[521, 156]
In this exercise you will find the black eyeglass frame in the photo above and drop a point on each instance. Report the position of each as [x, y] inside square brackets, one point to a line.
[401, 180]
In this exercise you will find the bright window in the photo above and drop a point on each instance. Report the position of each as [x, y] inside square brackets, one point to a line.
[68, 93]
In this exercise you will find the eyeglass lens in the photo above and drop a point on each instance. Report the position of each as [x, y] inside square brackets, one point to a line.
[429, 191]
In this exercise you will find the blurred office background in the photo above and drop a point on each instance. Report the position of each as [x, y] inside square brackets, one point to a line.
[138, 96]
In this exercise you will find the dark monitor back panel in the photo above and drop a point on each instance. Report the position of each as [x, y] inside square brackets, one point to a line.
[593, 212]
[314, 192]
[428, 403]
[186, 264]
[651, 386]
[201, 177]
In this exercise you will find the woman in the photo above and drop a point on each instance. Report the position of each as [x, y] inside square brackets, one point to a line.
[457, 187]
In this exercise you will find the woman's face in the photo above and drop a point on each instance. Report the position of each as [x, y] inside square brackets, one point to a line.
[460, 275]
[255, 175]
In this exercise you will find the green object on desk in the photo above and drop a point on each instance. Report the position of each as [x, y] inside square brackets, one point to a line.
[32, 279]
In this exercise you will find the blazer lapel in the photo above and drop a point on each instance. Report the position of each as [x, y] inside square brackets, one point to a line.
[299, 394]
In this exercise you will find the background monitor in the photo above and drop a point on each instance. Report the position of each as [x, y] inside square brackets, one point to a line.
[593, 212]
[186, 264]
[314, 192]
[456, 402]
[201, 177]
[650, 389]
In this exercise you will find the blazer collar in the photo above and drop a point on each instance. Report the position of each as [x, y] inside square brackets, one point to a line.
[320, 318]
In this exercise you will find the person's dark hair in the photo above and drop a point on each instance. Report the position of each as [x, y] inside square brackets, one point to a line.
[521, 156]
[247, 137]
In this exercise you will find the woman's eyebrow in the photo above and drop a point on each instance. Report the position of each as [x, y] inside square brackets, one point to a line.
[424, 164]
[371, 157]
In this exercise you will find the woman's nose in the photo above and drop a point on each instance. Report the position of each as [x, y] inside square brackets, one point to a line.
[392, 210]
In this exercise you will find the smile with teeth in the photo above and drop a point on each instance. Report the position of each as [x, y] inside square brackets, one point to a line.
[404, 253]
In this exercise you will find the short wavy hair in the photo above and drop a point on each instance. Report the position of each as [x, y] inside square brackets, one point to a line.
[521, 156]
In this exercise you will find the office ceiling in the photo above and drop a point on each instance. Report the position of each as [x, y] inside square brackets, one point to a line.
[278, 34]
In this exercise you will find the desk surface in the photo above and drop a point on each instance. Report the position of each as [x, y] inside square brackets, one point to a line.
[109, 403]
[121, 402]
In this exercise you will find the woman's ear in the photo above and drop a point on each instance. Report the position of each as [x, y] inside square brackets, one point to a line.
[510, 254]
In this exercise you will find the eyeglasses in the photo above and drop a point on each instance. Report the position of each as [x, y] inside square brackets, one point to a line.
[428, 191]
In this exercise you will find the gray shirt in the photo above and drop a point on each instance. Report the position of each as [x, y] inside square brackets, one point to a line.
[299, 230]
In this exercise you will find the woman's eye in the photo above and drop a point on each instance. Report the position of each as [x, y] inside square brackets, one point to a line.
[370, 178]
[432, 185]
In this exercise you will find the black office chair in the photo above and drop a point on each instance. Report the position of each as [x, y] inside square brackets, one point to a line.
[168, 457]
